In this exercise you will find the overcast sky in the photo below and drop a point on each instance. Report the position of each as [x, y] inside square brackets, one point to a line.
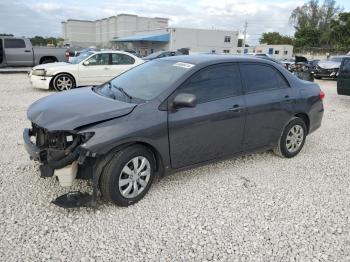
[37, 17]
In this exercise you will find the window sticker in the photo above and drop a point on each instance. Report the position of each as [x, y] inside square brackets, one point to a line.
[184, 65]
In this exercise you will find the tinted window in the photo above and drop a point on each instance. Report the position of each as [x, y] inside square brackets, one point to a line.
[214, 82]
[14, 43]
[261, 77]
[122, 59]
[345, 68]
[99, 59]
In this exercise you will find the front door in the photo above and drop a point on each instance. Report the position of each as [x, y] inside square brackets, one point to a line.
[343, 79]
[95, 70]
[17, 53]
[214, 127]
[269, 102]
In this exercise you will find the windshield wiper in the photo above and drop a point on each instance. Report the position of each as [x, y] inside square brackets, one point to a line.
[121, 90]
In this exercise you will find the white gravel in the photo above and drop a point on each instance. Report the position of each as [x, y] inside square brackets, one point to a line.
[253, 208]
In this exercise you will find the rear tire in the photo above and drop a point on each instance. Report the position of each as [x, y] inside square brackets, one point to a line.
[128, 176]
[292, 139]
[63, 82]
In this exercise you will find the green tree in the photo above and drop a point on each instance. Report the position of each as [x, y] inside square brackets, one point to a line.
[316, 19]
[275, 38]
[307, 37]
[340, 32]
[38, 41]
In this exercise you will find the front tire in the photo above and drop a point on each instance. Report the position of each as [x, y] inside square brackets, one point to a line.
[63, 82]
[128, 176]
[292, 139]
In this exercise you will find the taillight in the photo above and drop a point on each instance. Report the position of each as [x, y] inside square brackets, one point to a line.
[322, 95]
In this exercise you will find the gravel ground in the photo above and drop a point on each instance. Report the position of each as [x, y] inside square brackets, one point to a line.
[254, 208]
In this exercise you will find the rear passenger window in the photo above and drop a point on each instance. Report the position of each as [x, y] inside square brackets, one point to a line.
[14, 43]
[122, 59]
[262, 77]
[214, 82]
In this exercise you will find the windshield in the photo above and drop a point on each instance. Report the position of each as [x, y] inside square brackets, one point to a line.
[79, 58]
[336, 58]
[146, 81]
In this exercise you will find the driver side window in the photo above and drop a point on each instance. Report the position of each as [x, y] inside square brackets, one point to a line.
[214, 82]
[98, 59]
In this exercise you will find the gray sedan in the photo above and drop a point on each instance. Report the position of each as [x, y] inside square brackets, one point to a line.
[167, 115]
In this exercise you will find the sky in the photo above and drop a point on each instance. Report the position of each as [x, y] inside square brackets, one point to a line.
[38, 17]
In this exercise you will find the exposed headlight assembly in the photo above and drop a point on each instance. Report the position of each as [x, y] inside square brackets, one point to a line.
[39, 72]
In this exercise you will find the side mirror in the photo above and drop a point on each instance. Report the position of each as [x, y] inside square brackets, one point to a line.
[184, 100]
[85, 63]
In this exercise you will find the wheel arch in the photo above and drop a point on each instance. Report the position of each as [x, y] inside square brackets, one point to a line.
[305, 118]
[42, 59]
[62, 73]
[158, 159]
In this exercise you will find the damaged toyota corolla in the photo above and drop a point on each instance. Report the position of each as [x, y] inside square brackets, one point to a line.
[167, 115]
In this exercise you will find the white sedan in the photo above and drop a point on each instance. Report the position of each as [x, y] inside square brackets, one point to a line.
[90, 68]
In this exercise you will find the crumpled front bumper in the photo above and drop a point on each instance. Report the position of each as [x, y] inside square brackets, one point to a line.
[33, 151]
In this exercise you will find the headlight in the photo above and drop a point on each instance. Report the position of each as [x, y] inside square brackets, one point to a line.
[39, 72]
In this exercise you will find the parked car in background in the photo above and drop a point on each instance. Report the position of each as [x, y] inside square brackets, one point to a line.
[90, 68]
[343, 80]
[161, 54]
[76, 51]
[328, 68]
[167, 115]
[18, 51]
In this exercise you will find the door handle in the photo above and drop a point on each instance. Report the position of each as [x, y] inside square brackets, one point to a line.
[235, 108]
[27, 51]
[106, 68]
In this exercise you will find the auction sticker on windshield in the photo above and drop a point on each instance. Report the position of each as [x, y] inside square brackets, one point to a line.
[184, 65]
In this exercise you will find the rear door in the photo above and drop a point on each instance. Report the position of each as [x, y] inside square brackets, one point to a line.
[270, 103]
[120, 63]
[214, 127]
[343, 80]
[17, 53]
[95, 70]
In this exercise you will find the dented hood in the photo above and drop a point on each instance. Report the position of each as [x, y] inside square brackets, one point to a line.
[327, 64]
[71, 109]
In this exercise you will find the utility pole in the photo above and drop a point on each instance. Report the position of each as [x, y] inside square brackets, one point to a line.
[245, 33]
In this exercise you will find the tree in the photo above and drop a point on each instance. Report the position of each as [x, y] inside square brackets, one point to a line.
[6, 34]
[307, 37]
[316, 19]
[340, 32]
[275, 38]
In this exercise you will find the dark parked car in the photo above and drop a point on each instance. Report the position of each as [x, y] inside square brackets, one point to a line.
[161, 54]
[167, 115]
[343, 80]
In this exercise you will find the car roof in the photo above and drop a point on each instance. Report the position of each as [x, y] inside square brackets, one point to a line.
[199, 59]
[112, 51]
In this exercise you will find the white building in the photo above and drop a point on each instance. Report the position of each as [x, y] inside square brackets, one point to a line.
[99, 33]
[174, 38]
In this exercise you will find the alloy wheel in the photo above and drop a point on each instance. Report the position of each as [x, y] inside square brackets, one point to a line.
[295, 138]
[64, 83]
[134, 177]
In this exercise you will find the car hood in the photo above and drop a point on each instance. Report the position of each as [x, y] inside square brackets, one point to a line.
[72, 109]
[328, 64]
[50, 65]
